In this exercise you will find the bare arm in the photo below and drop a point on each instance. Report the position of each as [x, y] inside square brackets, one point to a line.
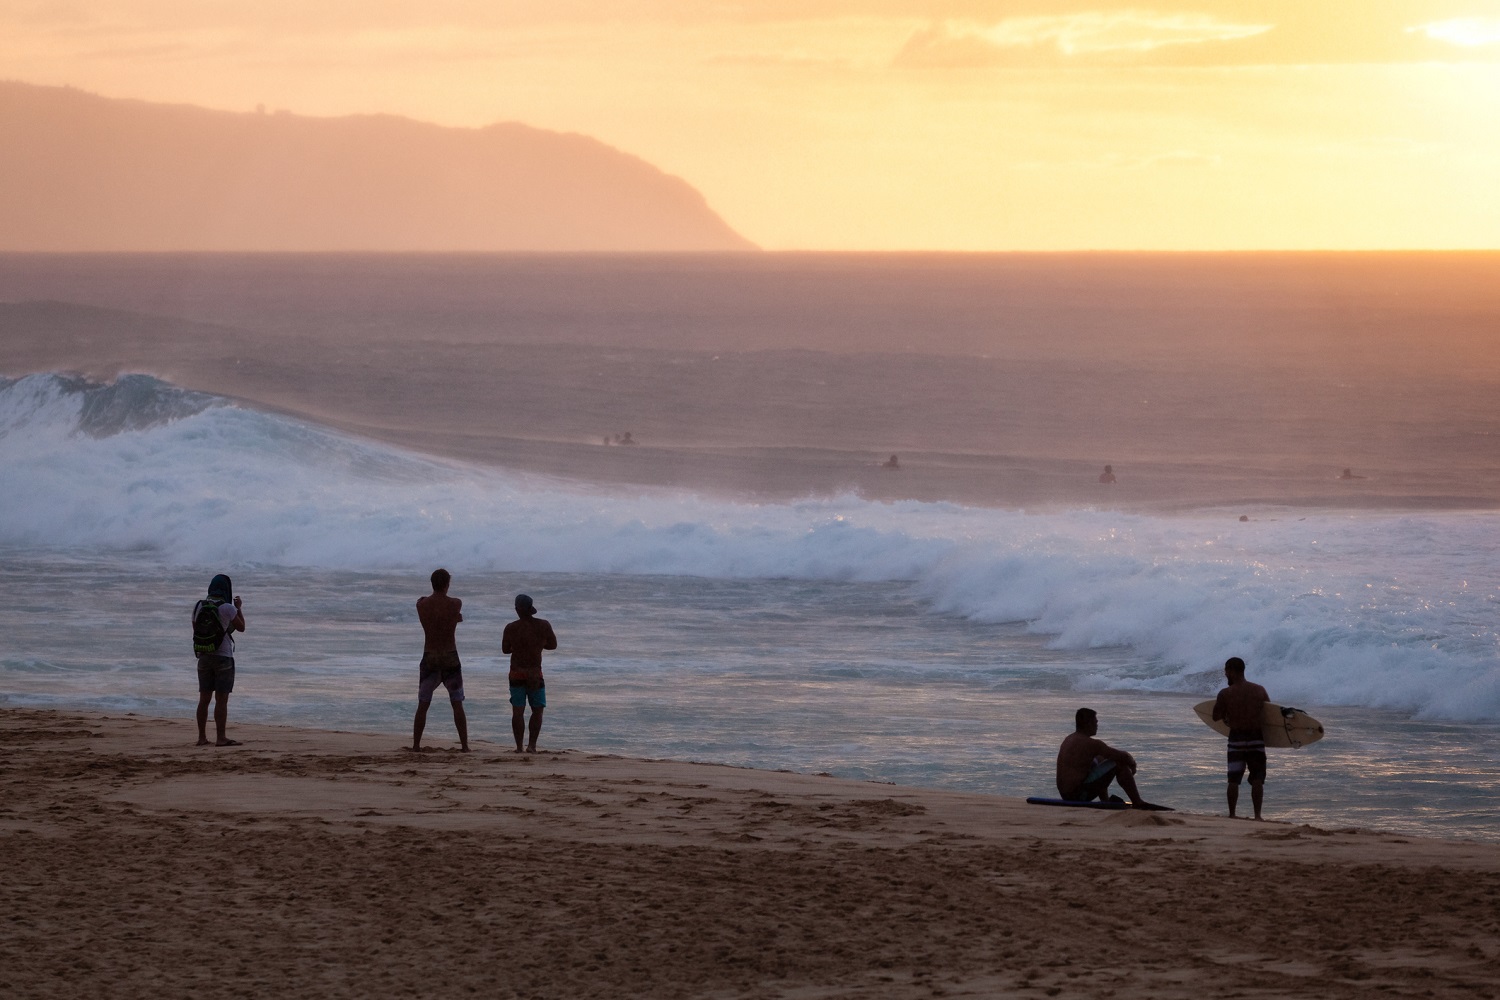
[550, 641]
[1219, 710]
[1120, 757]
[238, 625]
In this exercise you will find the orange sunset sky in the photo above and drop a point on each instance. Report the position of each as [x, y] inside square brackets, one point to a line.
[893, 124]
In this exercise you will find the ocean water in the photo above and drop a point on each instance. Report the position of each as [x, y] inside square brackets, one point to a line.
[748, 585]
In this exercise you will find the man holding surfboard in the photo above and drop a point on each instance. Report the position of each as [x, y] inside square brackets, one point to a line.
[1243, 706]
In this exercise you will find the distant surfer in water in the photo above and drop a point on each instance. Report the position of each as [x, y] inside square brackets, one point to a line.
[440, 615]
[524, 639]
[891, 463]
[1349, 474]
[1108, 475]
[1086, 766]
[1242, 705]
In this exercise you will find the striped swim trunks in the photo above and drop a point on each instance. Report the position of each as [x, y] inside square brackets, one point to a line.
[1247, 751]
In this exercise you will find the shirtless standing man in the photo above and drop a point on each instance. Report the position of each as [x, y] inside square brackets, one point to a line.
[1243, 705]
[1086, 766]
[524, 639]
[440, 615]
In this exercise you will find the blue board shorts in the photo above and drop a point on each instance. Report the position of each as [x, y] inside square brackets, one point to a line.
[440, 668]
[1097, 773]
[519, 696]
[215, 673]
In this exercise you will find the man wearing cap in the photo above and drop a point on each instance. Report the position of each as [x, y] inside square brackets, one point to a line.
[524, 640]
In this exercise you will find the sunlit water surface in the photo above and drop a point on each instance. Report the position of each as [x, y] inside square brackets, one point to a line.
[854, 679]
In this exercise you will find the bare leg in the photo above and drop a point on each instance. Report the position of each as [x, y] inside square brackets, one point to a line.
[536, 728]
[418, 724]
[204, 697]
[1233, 795]
[461, 721]
[1257, 792]
[1127, 783]
[518, 724]
[221, 719]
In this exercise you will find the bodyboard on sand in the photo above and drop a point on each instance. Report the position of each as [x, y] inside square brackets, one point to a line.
[1284, 728]
[1038, 800]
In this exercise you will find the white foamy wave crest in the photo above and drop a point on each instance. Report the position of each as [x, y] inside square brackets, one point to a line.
[44, 406]
[1377, 610]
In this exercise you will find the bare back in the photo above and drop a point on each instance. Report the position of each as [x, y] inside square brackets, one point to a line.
[440, 615]
[1242, 705]
[1075, 758]
[525, 639]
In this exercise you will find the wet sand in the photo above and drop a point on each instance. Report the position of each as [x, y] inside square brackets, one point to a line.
[312, 863]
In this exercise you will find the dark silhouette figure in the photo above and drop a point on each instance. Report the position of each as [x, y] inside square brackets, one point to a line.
[1086, 766]
[1243, 706]
[216, 664]
[440, 615]
[1108, 475]
[524, 639]
[891, 463]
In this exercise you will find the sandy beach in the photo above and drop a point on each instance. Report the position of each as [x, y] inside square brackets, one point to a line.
[313, 863]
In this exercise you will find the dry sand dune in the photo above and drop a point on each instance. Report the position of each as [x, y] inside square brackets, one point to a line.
[309, 863]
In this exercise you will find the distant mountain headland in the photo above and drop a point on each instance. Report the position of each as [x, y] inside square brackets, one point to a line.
[79, 172]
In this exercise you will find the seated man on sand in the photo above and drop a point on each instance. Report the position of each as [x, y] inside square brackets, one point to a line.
[1086, 766]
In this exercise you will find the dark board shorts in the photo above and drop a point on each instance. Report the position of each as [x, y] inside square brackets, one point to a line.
[440, 668]
[215, 673]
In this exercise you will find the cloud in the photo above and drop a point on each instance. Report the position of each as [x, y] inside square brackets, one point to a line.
[1108, 34]
[1469, 32]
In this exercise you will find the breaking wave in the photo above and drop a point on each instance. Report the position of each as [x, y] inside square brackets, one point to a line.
[1380, 610]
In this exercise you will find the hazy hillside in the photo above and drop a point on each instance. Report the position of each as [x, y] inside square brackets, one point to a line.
[81, 172]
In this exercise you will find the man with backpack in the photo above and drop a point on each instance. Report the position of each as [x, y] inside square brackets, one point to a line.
[215, 620]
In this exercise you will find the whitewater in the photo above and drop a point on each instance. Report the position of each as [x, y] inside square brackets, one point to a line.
[1393, 611]
[749, 585]
[141, 486]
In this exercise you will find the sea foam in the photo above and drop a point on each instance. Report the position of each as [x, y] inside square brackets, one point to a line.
[1380, 610]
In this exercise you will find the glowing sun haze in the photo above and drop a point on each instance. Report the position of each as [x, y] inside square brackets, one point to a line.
[893, 124]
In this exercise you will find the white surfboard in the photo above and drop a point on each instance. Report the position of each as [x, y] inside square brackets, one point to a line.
[1284, 728]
